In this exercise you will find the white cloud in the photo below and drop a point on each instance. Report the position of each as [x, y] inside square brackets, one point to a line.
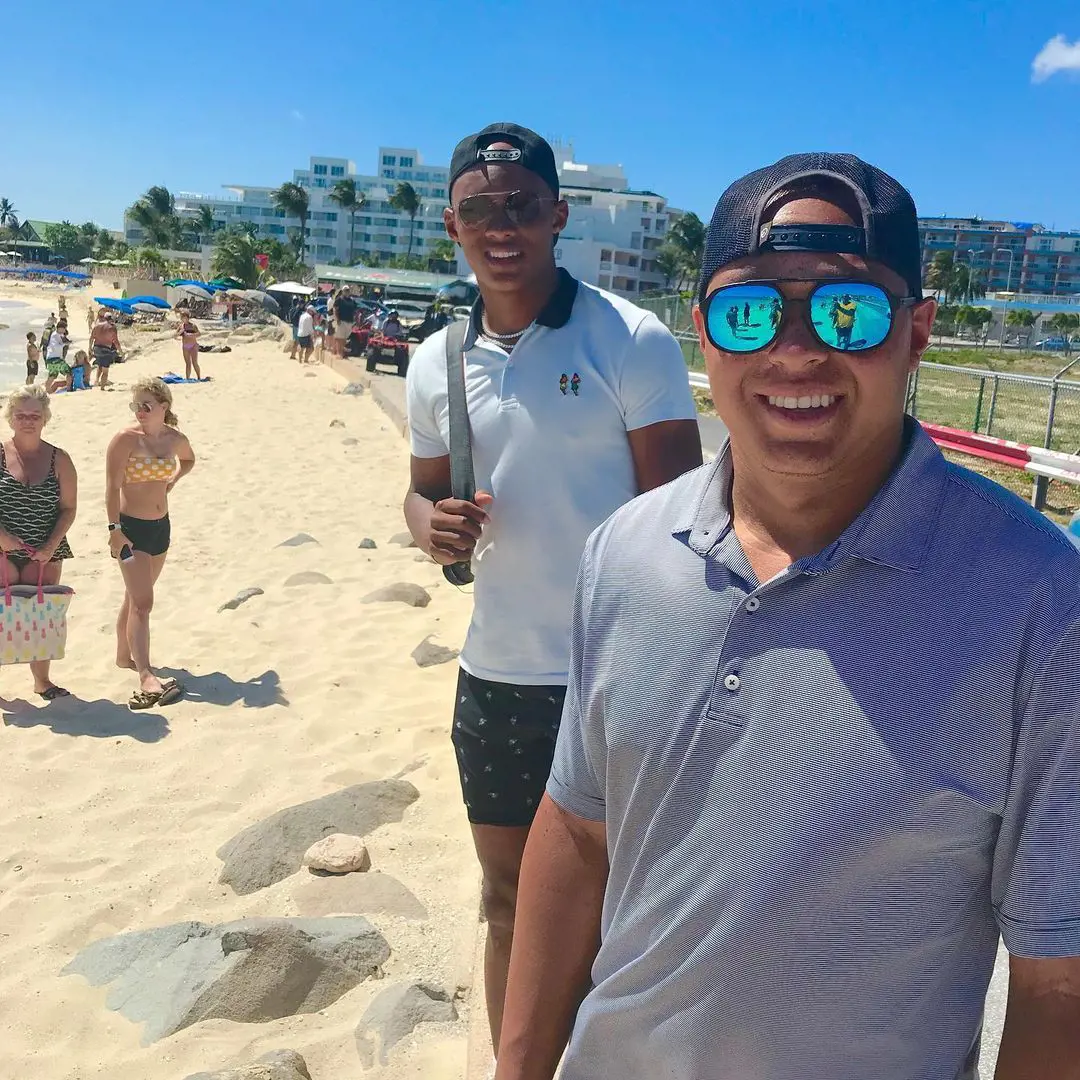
[296, 114]
[1056, 55]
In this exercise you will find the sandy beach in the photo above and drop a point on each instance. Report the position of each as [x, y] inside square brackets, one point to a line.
[114, 818]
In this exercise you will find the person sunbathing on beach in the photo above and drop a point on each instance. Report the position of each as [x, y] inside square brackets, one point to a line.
[38, 498]
[188, 333]
[105, 344]
[144, 463]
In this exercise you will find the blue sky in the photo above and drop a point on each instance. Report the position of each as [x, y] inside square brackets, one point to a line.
[104, 100]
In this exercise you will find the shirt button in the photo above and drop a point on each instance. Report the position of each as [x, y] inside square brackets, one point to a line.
[753, 603]
[731, 682]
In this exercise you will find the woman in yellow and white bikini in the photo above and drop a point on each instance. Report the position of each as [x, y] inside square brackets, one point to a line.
[144, 463]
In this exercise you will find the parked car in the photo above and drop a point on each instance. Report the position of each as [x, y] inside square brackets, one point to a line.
[1051, 344]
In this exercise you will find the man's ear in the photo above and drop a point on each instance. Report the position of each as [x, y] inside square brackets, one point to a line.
[922, 325]
[450, 224]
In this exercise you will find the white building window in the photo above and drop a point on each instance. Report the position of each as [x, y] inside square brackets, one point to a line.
[389, 159]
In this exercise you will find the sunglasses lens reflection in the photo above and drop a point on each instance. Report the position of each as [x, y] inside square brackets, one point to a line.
[851, 316]
[744, 318]
[519, 207]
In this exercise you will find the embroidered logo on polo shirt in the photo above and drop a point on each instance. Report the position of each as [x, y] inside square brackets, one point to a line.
[574, 384]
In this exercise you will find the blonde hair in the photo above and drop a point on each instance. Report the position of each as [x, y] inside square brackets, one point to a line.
[161, 393]
[27, 393]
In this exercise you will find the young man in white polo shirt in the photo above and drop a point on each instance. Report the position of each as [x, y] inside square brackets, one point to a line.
[577, 401]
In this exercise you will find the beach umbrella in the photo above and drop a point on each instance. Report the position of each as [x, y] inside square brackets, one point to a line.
[227, 283]
[194, 290]
[265, 299]
[235, 294]
[292, 287]
[87, 261]
[146, 309]
[155, 300]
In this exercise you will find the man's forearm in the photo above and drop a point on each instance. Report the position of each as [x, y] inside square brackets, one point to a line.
[1041, 1039]
[556, 938]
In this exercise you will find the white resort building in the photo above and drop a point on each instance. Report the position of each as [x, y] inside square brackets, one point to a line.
[610, 240]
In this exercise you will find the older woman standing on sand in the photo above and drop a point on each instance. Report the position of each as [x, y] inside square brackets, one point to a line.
[38, 497]
[145, 462]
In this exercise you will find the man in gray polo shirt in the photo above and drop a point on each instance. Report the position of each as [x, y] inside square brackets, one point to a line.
[821, 743]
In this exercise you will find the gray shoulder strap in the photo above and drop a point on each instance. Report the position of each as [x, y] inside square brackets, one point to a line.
[462, 479]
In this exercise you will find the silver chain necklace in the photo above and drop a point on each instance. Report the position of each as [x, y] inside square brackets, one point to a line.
[489, 333]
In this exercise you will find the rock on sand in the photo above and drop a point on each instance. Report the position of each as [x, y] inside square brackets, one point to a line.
[249, 971]
[403, 592]
[427, 655]
[277, 1065]
[338, 853]
[395, 1013]
[271, 850]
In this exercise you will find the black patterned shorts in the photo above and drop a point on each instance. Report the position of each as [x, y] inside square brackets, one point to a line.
[504, 738]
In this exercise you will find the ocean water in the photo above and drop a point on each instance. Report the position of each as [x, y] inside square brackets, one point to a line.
[19, 317]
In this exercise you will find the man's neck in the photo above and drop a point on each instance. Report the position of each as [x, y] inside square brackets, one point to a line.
[507, 312]
[782, 519]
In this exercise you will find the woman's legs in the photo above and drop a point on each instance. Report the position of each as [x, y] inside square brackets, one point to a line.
[28, 575]
[140, 574]
[187, 362]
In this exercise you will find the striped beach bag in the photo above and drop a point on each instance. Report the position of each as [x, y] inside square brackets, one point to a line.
[33, 619]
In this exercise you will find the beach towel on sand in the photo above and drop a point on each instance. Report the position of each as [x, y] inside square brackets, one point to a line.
[172, 377]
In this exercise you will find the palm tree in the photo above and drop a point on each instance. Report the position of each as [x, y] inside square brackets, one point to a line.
[293, 199]
[941, 276]
[149, 258]
[1065, 323]
[1024, 319]
[105, 244]
[687, 234]
[204, 222]
[407, 201]
[234, 256]
[344, 193]
[8, 218]
[669, 263]
[442, 254]
[155, 214]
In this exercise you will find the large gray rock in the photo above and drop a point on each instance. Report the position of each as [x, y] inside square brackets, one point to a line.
[427, 655]
[395, 1013]
[249, 971]
[403, 539]
[271, 850]
[402, 592]
[241, 597]
[277, 1065]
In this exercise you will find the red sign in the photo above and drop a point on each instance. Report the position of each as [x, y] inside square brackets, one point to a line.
[263, 261]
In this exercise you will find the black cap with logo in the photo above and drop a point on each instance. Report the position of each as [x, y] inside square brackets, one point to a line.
[528, 150]
[888, 233]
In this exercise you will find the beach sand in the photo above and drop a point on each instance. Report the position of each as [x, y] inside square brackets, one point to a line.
[113, 818]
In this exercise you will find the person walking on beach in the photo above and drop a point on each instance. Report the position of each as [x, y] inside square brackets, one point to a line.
[188, 333]
[105, 345]
[59, 373]
[295, 311]
[33, 355]
[344, 314]
[550, 466]
[822, 738]
[38, 502]
[91, 318]
[306, 333]
[144, 463]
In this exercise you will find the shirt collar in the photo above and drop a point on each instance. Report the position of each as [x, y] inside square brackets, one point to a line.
[555, 314]
[895, 529]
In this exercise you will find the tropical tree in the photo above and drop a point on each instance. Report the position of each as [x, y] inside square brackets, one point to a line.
[1066, 324]
[1024, 320]
[979, 319]
[106, 242]
[442, 254]
[155, 214]
[234, 256]
[204, 222]
[121, 250]
[148, 259]
[406, 201]
[282, 263]
[941, 276]
[350, 200]
[9, 219]
[686, 234]
[65, 240]
[669, 263]
[293, 200]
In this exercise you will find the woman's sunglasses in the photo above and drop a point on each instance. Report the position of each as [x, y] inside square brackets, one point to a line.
[848, 316]
[519, 208]
[141, 407]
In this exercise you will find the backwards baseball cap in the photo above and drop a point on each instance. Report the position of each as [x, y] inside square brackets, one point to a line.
[528, 150]
[888, 232]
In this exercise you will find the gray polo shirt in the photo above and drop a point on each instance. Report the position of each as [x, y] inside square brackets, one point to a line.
[825, 796]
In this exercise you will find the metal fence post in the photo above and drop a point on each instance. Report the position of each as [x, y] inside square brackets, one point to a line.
[1038, 491]
[993, 405]
[978, 405]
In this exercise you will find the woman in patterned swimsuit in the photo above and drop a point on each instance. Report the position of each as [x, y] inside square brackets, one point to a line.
[38, 492]
[144, 463]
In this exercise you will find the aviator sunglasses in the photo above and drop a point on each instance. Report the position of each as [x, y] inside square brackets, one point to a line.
[847, 316]
[519, 208]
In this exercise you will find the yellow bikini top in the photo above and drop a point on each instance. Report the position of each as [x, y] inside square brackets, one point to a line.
[145, 469]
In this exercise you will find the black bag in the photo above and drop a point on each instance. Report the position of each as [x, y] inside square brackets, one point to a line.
[462, 478]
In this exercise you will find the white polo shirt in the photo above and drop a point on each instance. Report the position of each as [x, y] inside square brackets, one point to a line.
[549, 426]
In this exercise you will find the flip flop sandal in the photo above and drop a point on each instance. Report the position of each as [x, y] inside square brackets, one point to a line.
[170, 691]
[53, 693]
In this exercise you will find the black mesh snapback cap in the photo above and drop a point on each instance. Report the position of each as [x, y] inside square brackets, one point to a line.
[888, 234]
[529, 150]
